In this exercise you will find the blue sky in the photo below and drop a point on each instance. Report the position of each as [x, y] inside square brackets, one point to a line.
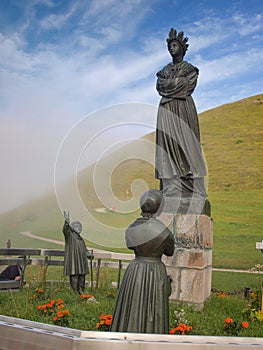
[62, 59]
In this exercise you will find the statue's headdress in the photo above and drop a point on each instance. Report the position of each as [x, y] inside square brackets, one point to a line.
[179, 38]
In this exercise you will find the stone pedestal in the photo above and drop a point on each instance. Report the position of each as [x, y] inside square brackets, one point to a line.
[191, 264]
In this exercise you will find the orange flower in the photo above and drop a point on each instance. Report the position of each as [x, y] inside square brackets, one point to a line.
[40, 290]
[90, 296]
[83, 296]
[110, 294]
[228, 320]
[105, 322]
[182, 328]
[59, 301]
[245, 324]
[39, 307]
[55, 318]
[60, 314]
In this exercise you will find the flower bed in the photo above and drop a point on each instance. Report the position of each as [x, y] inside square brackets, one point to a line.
[58, 304]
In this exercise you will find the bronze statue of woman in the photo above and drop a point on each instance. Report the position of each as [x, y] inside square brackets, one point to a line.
[179, 161]
[143, 300]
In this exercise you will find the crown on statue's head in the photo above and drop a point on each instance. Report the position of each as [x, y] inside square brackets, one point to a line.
[179, 38]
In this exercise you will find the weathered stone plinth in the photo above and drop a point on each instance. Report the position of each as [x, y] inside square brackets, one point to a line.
[191, 264]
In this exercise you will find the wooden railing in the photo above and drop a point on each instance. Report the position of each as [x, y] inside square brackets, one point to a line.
[54, 257]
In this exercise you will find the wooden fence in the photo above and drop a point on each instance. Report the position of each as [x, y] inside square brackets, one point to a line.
[55, 257]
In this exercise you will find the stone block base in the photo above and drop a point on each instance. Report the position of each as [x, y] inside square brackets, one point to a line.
[191, 264]
[191, 273]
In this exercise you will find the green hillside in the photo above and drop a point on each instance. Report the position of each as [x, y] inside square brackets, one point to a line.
[232, 137]
[232, 140]
[232, 144]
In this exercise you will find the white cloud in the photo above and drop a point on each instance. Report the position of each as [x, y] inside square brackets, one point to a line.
[229, 66]
[46, 87]
[247, 25]
[57, 20]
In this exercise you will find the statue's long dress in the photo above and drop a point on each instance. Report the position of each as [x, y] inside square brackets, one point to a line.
[142, 305]
[178, 149]
[76, 262]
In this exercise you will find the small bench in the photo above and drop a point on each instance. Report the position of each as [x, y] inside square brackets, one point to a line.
[23, 258]
[7, 285]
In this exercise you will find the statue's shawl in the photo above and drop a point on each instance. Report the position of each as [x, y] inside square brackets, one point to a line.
[144, 230]
[181, 69]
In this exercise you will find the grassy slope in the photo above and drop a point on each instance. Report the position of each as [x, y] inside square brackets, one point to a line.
[231, 139]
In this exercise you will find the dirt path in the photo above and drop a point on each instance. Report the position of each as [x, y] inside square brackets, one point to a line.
[31, 235]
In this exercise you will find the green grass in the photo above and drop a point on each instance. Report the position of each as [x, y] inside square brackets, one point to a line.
[237, 227]
[235, 282]
[210, 321]
[84, 315]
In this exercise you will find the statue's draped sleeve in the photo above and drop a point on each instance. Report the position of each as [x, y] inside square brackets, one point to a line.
[181, 85]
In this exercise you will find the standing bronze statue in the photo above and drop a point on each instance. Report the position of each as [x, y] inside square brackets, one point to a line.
[75, 259]
[179, 161]
[143, 300]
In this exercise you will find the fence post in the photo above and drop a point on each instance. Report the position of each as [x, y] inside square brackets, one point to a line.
[44, 269]
[262, 297]
[25, 262]
[91, 270]
[119, 274]
[98, 273]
